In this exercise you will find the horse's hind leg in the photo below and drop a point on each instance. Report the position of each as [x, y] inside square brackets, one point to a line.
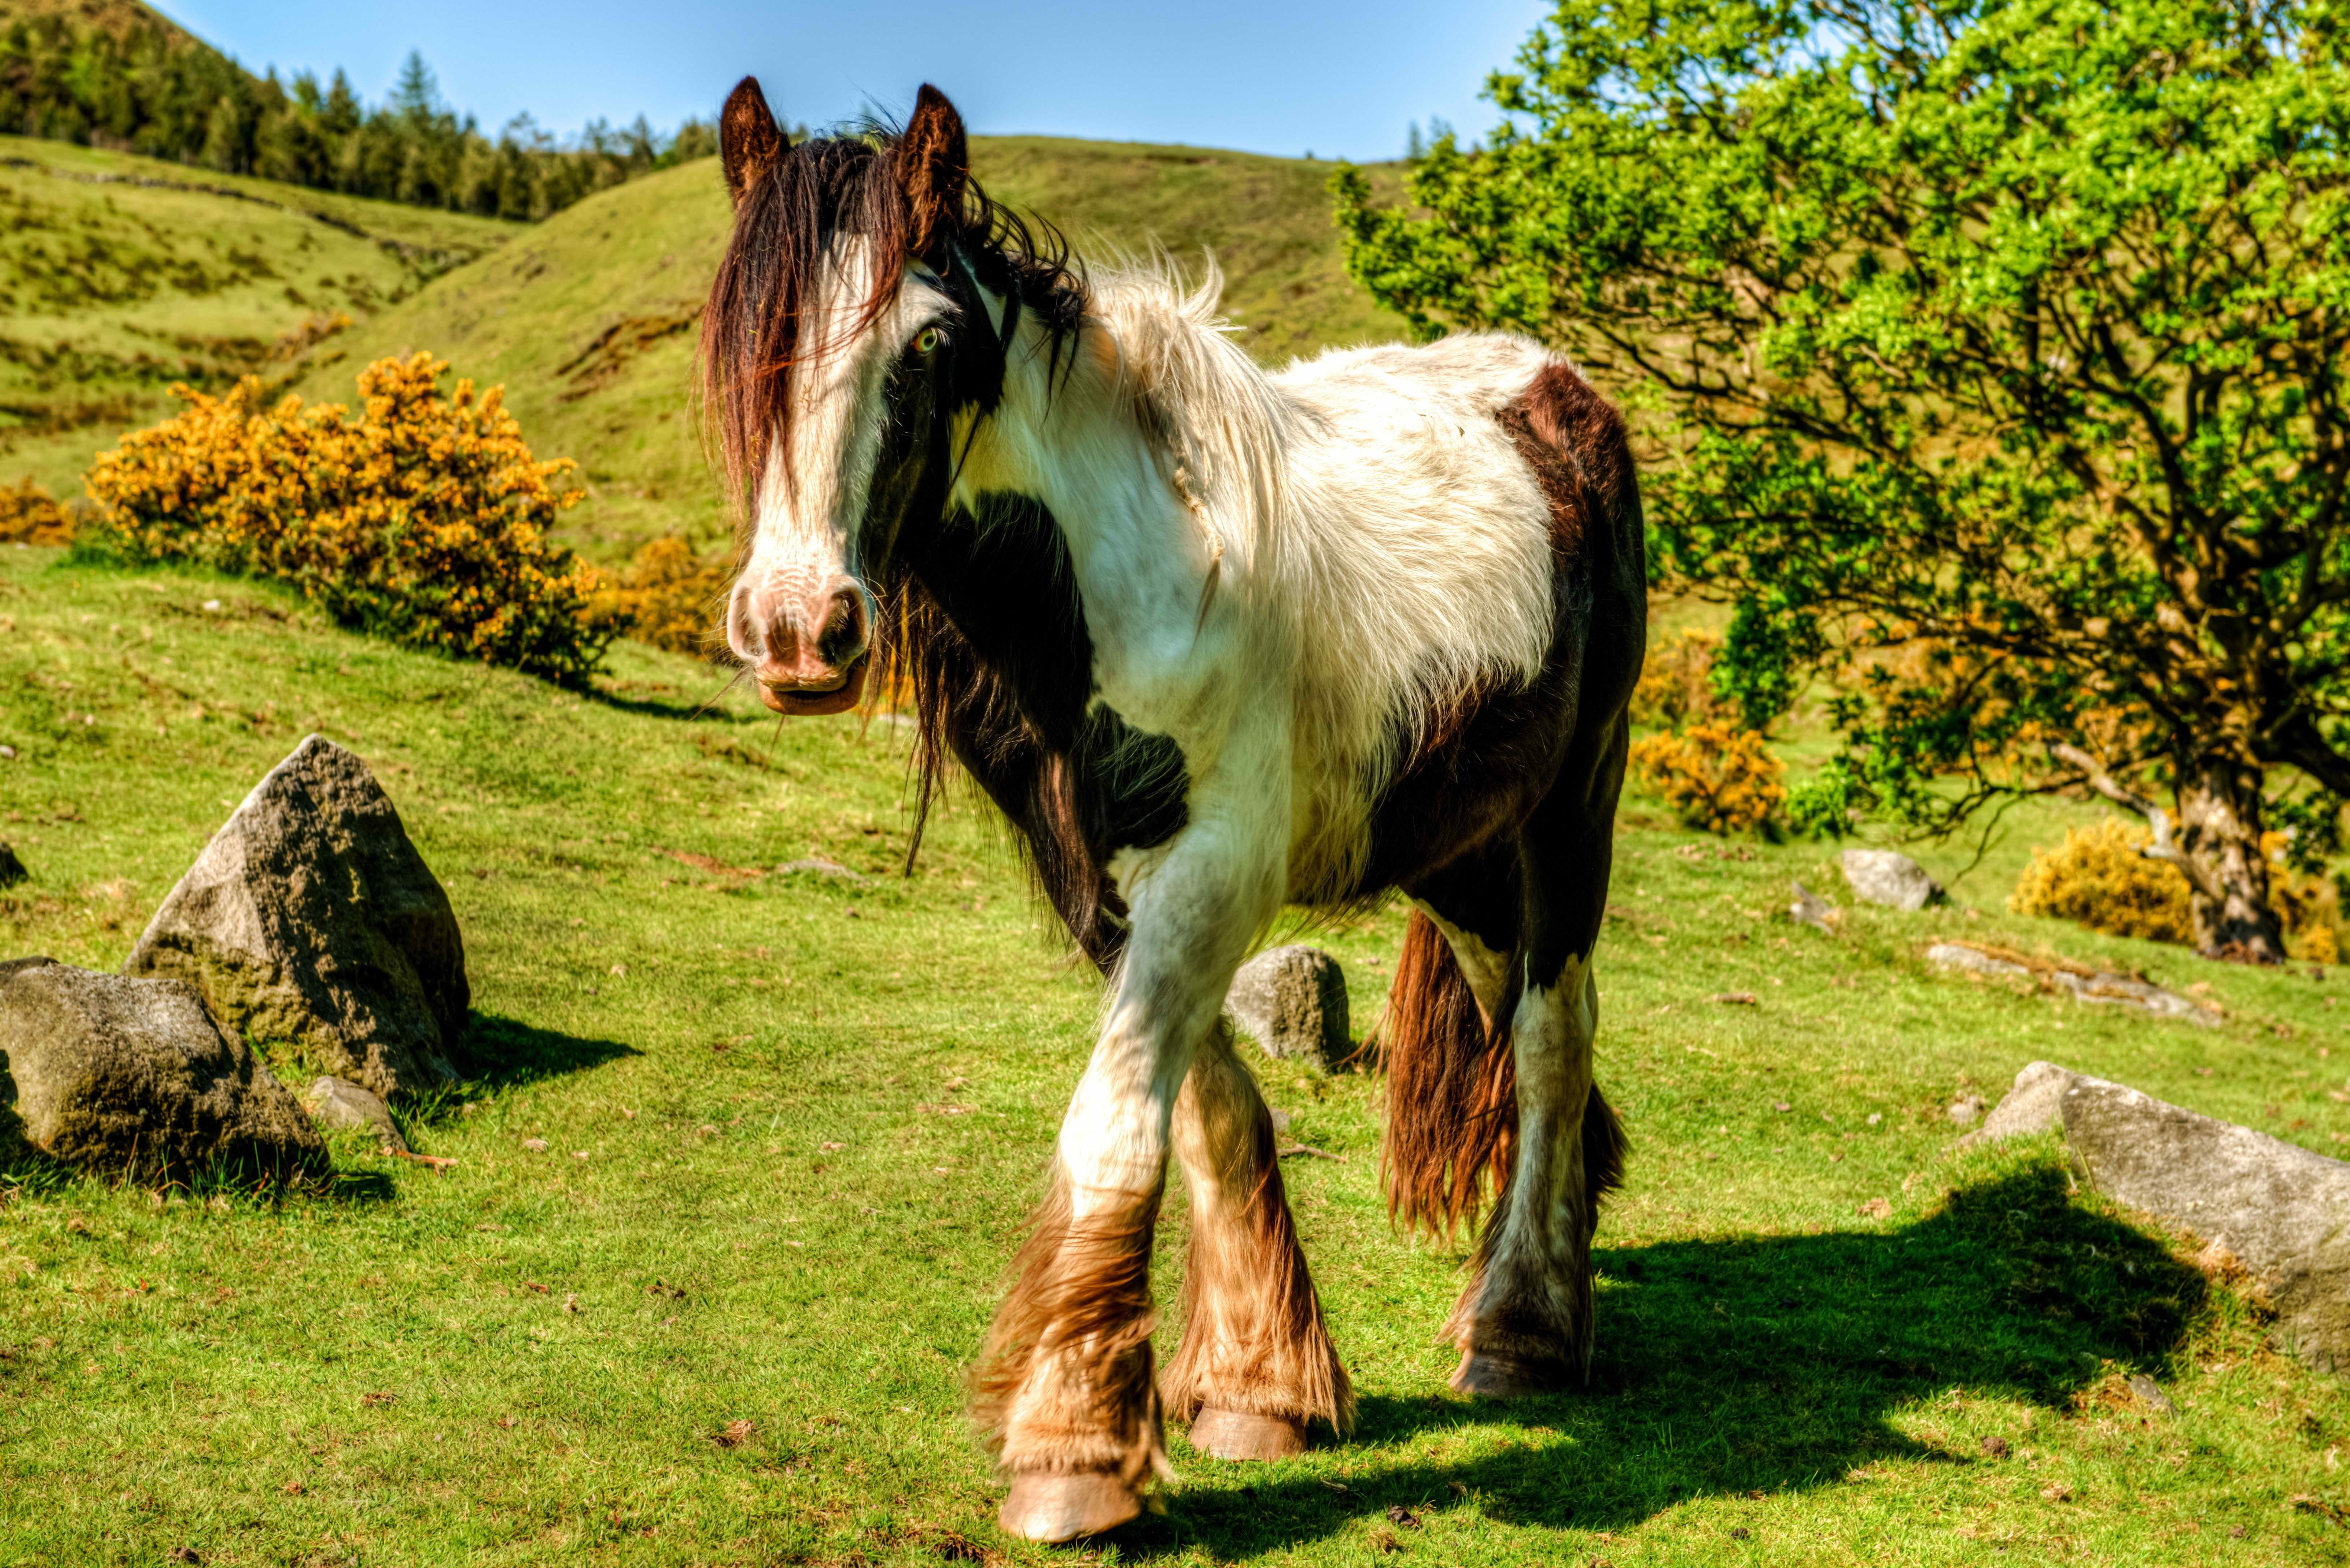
[1524, 1324]
[1255, 1366]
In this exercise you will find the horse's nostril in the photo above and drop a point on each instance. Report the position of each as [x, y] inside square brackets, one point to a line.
[843, 638]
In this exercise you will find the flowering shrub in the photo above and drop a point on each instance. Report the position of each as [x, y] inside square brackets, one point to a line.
[668, 597]
[2101, 879]
[424, 519]
[31, 515]
[1677, 681]
[1720, 778]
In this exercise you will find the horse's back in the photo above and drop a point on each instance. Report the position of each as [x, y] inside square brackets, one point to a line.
[1463, 513]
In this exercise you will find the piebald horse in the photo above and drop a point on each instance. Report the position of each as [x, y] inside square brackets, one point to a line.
[1213, 640]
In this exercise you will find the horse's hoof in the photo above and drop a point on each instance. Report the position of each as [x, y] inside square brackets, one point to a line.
[1053, 1508]
[1237, 1435]
[1505, 1377]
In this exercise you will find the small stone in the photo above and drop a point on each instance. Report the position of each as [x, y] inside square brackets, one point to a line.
[1966, 1110]
[1292, 1001]
[1996, 1447]
[1810, 909]
[817, 865]
[1874, 1118]
[535, 1145]
[1888, 877]
[2151, 1393]
[1780, 1106]
[8, 753]
[339, 1102]
[12, 870]
[134, 1075]
[1959, 955]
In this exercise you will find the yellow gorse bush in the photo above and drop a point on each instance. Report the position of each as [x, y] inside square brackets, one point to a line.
[2100, 877]
[1677, 681]
[31, 515]
[1717, 777]
[668, 597]
[424, 519]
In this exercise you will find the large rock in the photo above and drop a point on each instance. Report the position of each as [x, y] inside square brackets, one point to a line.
[1888, 877]
[2283, 1212]
[1292, 1002]
[135, 1075]
[2034, 1103]
[310, 919]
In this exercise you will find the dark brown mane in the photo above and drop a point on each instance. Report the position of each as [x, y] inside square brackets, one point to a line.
[786, 218]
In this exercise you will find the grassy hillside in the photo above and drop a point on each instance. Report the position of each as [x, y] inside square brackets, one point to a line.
[788, 1127]
[119, 276]
[588, 320]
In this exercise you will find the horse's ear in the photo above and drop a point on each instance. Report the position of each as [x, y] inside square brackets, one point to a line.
[934, 166]
[749, 142]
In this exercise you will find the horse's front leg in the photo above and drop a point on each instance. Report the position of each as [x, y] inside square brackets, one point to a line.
[1067, 1388]
[1256, 1366]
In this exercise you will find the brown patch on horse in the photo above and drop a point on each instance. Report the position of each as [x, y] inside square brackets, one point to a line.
[1574, 440]
[1486, 757]
[1452, 1096]
[1254, 1340]
[1065, 1381]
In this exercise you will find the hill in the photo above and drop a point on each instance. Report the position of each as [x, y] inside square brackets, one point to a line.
[119, 276]
[588, 319]
[747, 1152]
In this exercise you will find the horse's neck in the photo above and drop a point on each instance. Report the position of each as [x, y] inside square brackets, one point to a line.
[1077, 446]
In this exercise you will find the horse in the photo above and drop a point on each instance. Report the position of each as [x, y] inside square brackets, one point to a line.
[1215, 641]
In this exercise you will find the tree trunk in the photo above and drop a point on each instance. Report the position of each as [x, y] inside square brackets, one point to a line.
[2220, 835]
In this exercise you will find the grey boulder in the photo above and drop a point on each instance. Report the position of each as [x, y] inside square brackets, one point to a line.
[134, 1076]
[1292, 1002]
[2281, 1211]
[311, 920]
[1891, 879]
[337, 1103]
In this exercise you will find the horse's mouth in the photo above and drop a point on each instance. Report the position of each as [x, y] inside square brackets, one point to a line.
[808, 701]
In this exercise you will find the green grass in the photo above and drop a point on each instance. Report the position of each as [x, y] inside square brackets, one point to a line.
[119, 276]
[792, 1126]
[588, 319]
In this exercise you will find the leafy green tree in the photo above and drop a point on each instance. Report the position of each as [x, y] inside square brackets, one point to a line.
[1993, 353]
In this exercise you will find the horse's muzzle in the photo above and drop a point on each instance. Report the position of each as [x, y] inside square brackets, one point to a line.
[814, 648]
[805, 697]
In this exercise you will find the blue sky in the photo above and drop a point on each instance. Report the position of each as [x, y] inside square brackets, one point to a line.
[1339, 78]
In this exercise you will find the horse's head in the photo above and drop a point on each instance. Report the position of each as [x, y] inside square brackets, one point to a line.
[862, 306]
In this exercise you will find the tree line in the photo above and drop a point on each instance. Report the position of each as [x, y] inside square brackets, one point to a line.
[152, 90]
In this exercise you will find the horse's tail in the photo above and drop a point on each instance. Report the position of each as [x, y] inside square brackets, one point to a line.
[1452, 1090]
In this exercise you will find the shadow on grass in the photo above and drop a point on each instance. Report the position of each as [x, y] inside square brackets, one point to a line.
[506, 1053]
[1749, 1365]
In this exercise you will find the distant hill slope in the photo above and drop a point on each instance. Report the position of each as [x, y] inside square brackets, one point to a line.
[589, 318]
[119, 276]
[120, 17]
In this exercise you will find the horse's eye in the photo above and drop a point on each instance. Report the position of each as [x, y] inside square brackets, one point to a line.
[926, 340]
